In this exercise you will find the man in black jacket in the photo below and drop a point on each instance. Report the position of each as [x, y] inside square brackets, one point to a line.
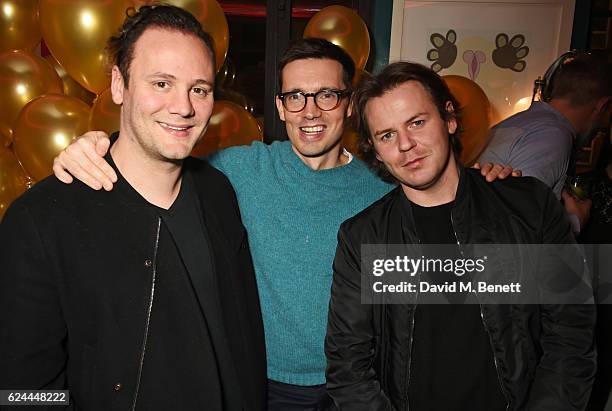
[143, 297]
[477, 355]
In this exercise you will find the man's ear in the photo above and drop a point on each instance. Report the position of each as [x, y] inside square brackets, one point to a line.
[451, 123]
[280, 108]
[603, 105]
[349, 109]
[374, 149]
[117, 85]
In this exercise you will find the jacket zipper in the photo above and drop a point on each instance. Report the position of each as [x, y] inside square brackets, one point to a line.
[410, 352]
[416, 297]
[484, 324]
[148, 320]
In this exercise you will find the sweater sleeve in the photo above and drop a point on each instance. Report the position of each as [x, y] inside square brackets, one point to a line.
[32, 353]
[231, 160]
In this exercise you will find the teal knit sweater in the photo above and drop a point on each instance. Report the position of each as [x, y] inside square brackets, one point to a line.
[292, 215]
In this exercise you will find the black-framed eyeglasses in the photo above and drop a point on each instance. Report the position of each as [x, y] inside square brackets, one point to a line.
[326, 100]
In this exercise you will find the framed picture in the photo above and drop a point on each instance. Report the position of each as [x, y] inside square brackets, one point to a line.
[503, 46]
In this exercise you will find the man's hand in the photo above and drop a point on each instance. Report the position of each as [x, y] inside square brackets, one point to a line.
[577, 207]
[84, 159]
[492, 171]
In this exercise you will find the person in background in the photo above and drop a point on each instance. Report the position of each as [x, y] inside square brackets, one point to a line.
[539, 140]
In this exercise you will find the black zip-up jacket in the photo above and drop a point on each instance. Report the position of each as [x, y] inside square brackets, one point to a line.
[544, 354]
[77, 284]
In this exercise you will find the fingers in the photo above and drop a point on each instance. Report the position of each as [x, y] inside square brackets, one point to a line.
[505, 172]
[485, 169]
[102, 145]
[493, 174]
[492, 171]
[566, 196]
[88, 154]
[60, 173]
[577, 207]
[71, 159]
[82, 159]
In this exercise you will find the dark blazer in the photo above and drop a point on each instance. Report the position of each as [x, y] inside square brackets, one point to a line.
[544, 354]
[75, 286]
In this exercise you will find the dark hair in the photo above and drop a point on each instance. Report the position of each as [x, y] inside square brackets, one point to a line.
[313, 48]
[391, 77]
[582, 80]
[121, 47]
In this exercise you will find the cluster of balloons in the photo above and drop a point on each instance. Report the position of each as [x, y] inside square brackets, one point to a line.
[47, 102]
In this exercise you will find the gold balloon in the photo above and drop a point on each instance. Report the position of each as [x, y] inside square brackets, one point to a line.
[13, 180]
[70, 86]
[76, 33]
[230, 125]
[19, 29]
[475, 116]
[210, 14]
[23, 76]
[45, 127]
[343, 27]
[104, 113]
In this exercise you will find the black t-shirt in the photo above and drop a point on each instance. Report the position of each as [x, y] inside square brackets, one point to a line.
[452, 366]
[179, 355]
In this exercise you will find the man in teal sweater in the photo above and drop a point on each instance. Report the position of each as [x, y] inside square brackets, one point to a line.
[293, 196]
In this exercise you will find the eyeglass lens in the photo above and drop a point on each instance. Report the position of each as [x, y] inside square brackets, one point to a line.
[324, 100]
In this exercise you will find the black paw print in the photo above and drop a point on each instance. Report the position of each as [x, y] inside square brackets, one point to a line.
[445, 52]
[510, 54]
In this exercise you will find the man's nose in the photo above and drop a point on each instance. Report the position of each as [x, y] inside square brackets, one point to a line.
[405, 141]
[181, 104]
[311, 110]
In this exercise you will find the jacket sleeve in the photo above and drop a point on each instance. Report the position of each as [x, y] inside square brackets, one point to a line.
[350, 342]
[566, 370]
[32, 353]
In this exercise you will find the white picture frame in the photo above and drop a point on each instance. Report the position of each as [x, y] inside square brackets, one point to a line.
[545, 25]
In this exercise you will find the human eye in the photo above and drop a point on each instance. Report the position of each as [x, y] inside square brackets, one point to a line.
[200, 91]
[417, 123]
[386, 136]
[327, 95]
[294, 96]
[161, 84]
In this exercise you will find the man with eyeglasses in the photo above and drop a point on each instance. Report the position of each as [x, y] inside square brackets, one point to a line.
[293, 196]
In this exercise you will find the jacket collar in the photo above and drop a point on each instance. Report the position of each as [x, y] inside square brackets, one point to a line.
[123, 187]
[402, 207]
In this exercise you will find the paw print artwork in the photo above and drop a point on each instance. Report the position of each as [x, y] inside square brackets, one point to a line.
[509, 54]
[474, 59]
[445, 52]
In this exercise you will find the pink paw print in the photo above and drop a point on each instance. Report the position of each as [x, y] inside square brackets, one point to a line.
[474, 59]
